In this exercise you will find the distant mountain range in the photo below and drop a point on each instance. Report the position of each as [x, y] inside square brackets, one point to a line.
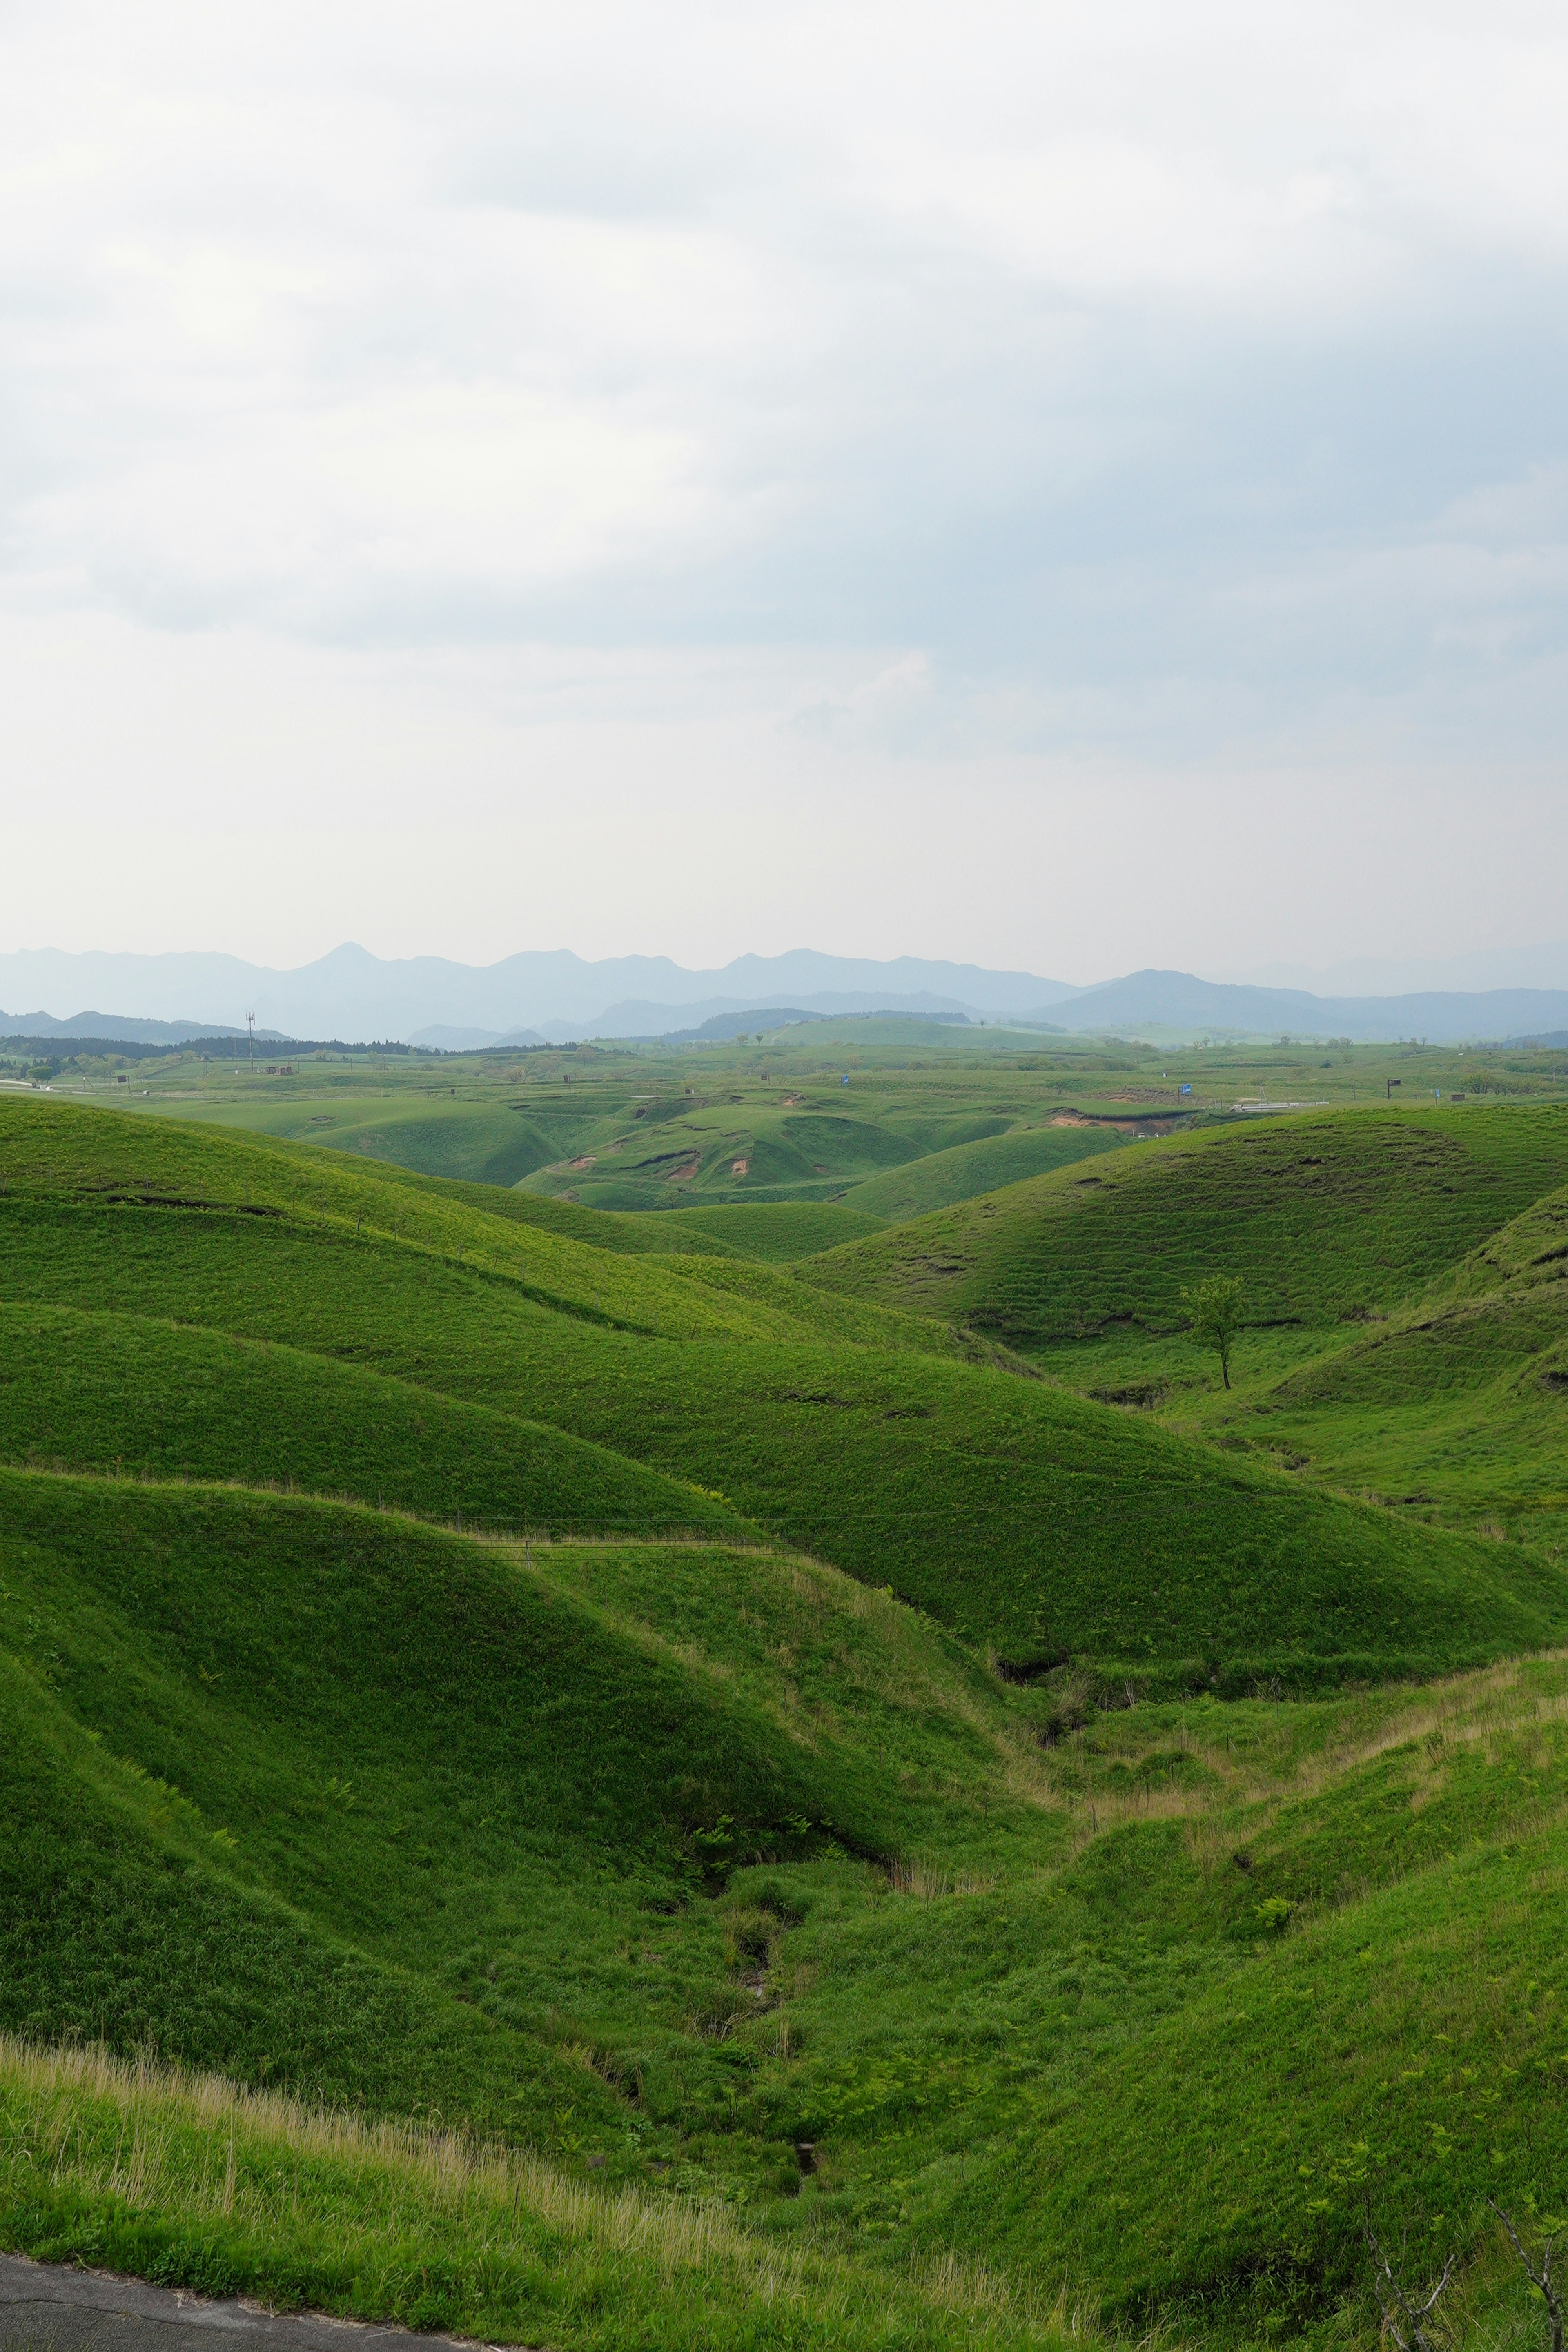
[120, 1028]
[540, 997]
[1175, 1001]
[426, 999]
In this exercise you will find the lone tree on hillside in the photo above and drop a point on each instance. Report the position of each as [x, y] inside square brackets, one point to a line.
[1214, 1308]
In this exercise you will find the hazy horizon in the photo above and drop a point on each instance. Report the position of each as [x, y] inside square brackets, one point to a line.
[1543, 965]
[539, 996]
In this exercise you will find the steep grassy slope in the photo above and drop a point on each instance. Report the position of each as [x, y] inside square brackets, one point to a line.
[1016, 1514]
[122, 1918]
[1327, 1216]
[966, 1169]
[1301, 1956]
[323, 1796]
[1530, 1248]
[437, 1759]
[1458, 1399]
[1254, 1961]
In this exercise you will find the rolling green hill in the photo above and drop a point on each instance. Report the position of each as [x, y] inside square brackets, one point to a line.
[128, 1393]
[1327, 1215]
[122, 1919]
[1023, 2041]
[434, 1133]
[621, 1140]
[1376, 1983]
[1290, 1972]
[635, 1236]
[325, 1709]
[1456, 1402]
[770, 1232]
[966, 1169]
[901, 1852]
[61, 1164]
[684, 1154]
[1006, 1509]
[776, 1233]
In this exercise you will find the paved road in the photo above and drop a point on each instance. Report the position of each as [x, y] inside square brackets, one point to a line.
[50, 2307]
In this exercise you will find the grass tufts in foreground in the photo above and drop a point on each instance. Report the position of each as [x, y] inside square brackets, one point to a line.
[189, 2180]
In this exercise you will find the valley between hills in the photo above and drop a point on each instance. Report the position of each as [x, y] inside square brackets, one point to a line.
[664, 1699]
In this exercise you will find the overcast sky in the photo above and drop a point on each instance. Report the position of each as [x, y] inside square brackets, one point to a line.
[1070, 487]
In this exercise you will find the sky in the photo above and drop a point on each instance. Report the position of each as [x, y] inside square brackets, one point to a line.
[1067, 488]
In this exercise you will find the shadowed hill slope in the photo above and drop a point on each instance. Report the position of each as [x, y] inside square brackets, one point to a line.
[268, 1751]
[123, 1921]
[1500, 1314]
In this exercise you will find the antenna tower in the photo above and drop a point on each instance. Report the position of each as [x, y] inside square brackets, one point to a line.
[250, 1024]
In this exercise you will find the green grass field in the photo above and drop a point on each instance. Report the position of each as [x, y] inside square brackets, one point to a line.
[959, 1174]
[785, 1770]
[1328, 1217]
[1039, 1525]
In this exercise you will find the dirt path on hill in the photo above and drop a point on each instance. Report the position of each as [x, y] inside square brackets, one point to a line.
[52, 2307]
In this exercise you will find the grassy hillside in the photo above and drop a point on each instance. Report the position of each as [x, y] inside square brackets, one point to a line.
[432, 1132]
[129, 1393]
[1022, 1518]
[639, 1236]
[1301, 1959]
[623, 1146]
[1048, 1528]
[325, 1709]
[1455, 1403]
[58, 1162]
[966, 1169]
[776, 1233]
[770, 1233]
[230, 2191]
[1327, 1217]
[1020, 2041]
[683, 1153]
[122, 1918]
[958, 1850]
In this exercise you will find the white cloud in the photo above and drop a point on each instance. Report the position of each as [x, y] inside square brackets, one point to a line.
[876, 389]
